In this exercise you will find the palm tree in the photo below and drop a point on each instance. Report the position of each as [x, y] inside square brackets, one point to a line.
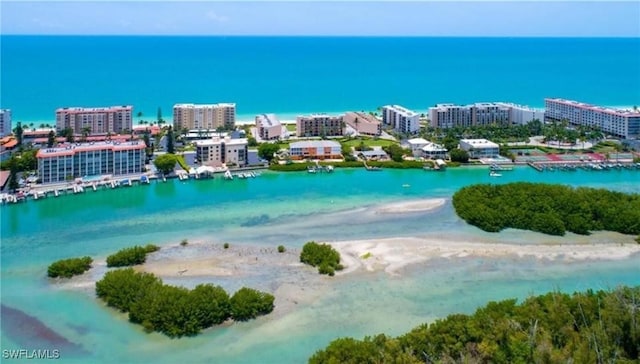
[139, 117]
[85, 132]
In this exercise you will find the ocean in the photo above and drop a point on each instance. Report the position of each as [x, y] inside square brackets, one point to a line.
[299, 75]
[267, 211]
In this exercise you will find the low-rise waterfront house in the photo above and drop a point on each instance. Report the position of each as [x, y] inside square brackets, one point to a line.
[95, 120]
[480, 148]
[374, 154]
[434, 151]
[319, 125]
[315, 149]
[7, 145]
[5, 122]
[416, 145]
[621, 123]
[401, 119]
[268, 127]
[363, 123]
[66, 162]
[216, 152]
[204, 116]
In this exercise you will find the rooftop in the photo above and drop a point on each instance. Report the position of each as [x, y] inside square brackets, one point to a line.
[315, 144]
[94, 109]
[267, 120]
[621, 112]
[480, 143]
[213, 106]
[402, 110]
[72, 148]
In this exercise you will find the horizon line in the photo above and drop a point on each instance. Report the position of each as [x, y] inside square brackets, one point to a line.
[318, 35]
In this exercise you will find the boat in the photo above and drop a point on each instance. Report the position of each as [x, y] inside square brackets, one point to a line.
[494, 174]
[406, 185]
[311, 169]
[56, 193]
[227, 175]
[373, 169]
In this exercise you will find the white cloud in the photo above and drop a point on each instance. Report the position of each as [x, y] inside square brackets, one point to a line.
[218, 18]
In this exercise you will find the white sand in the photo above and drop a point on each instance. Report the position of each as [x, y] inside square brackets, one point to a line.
[410, 206]
[392, 254]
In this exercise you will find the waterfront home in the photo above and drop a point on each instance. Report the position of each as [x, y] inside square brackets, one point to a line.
[315, 149]
[268, 127]
[416, 145]
[400, 119]
[68, 161]
[434, 151]
[7, 145]
[480, 148]
[219, 151]
[363, 123]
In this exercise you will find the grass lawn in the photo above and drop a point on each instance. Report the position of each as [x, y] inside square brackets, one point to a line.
[291, 127]
[369, 142]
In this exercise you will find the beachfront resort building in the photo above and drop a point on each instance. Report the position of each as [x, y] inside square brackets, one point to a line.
[480, 148]
[315, 149]
[66, 162]
[204, 116]
[621, 123]
[363, 123]
[401, 119]
[268, 127]
[95, 120]
[482, 113]
[5, 122]
[319, 125]
[217, 152]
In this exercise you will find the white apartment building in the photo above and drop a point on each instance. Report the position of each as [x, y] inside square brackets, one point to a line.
[268, 127]
[363, 123]
[520, 114]
[90, 159]
[480, 148]
[401, 119]
[5, 122]
[481, 113]
[98, 120]
[621, 123]
[204, 116]
[319, 125]
[434, 151]
[219, 151]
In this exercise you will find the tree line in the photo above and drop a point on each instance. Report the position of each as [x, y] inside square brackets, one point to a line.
[549, 209]
[585, 327]
[178, 311]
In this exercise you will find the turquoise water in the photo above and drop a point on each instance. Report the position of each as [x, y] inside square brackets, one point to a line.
[289, 75]
[274, 209]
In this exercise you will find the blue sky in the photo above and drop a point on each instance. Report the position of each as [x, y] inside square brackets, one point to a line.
[385, 18]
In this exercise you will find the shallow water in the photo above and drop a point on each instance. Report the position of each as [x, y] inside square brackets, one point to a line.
[287, 209]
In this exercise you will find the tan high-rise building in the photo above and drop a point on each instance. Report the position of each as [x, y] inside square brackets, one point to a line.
[98, 120]
[319, 125]
[204, 116]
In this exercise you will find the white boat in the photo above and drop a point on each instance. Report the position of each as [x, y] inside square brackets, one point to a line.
[56, 193]
[227, 175]
[494, 174]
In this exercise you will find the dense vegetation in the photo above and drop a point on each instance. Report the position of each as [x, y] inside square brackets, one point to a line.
[165, 163]
[549, 209]
[589, 327]
[322, 256]
[177, 311]
[68, 268]
[130, 256]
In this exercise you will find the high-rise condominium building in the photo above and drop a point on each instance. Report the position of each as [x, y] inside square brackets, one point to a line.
[319, 125]
[5, 122]
[204, 116]
[96, 120]
[90, 159]
[401, 119]
[621, 123]
[481, 113]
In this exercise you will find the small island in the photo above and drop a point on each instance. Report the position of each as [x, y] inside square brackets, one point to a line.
[322, 256]
[67, 268]
[131, 256]
[546, 208]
